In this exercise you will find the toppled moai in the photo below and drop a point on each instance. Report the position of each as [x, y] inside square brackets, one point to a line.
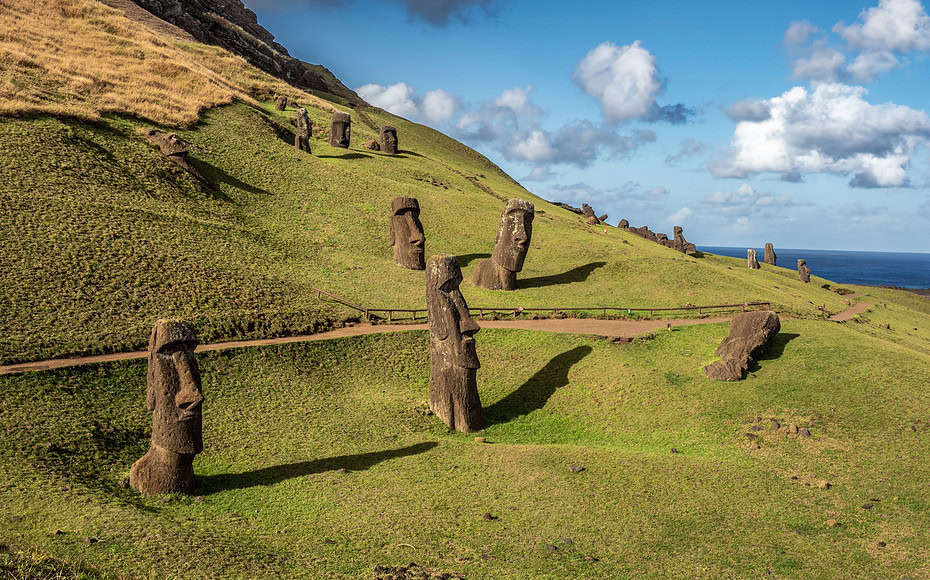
[751, 333]
[173, 395]
[453, 386]
[280, 103]
[407, 236]
[388, 140]
[770, 257]
[751, 260]
[304, 130]
[645, 232]
[510, 247]
[624, 224]
[340, 130]
[804, 273]
[588, 212]
[602, 217]
[177, 150]
[662, 239]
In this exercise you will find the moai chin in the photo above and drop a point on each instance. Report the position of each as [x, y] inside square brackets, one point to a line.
[510, 247]
[388, 140]
[751, 260]
[770, 257]
[174, 397]
[304, 130]
[804, 273]
[340, 130]
[453, 386]
[407, 236]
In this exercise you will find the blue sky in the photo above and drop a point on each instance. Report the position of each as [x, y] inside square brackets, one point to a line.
[799, 123]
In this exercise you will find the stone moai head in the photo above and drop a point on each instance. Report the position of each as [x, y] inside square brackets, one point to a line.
[280, 103]
[770, 256]
[624, 223]
[451, 327]
[340, 130]
[751, 259]
[514, 234]
[173, 388]
[388, 140]
[407, 233]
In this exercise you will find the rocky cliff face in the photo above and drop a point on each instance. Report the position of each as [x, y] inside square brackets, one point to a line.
[229, 24]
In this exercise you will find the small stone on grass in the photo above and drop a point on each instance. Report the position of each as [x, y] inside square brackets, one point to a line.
[576, 469]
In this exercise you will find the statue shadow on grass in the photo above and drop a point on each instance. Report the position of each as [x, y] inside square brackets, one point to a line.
[272, 475]
[215, 176]
[579, 274]
[346, 156]
[777, 348]
[534, 393]
[466, 259]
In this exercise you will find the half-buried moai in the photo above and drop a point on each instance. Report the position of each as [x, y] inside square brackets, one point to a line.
[388, 140]
[751, 260]
[340, 130]
[804, 273]
[280, 103]
[770, 256]
[173, 395]
[751, 334]
[453, 367]
[407, 233]
[510, 247]
[624, 224]
[304, 130]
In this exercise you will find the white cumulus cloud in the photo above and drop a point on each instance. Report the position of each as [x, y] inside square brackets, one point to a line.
[438, 106]
[893, 25]
[623, 78]
[396, 98]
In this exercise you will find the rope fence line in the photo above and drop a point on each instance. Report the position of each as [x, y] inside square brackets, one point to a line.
[374, 313]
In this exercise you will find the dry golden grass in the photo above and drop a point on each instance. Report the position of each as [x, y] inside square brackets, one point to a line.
[81, 58]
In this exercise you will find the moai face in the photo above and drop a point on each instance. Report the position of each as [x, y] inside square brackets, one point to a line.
[389, 140]
[451, 328]
[173, 389]
[407, 233]
[514, 235]
[340, 130]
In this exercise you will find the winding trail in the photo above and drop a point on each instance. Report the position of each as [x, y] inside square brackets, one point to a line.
[607, 328]
[851, 312]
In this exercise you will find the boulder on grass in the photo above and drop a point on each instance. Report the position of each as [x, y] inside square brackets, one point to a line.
[751, 333]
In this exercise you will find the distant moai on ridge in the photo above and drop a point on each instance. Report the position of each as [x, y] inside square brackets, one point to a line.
[407, 236]
[304, 130]
[453, 367]
[388, 140]
[510, 247]
[173, 395]
[804, 273]
[751, 260]
[770, 257]
[340, 130]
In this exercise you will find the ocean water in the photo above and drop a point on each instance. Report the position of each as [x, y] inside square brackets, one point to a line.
[902, 269]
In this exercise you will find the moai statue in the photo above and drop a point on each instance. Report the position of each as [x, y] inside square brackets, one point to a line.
[588, 213]
[510, 247]
[388, 140]
[624, 224]
[453, 363]
[304, 130]
[770, 256]
[407, 233]
[804, 273]
[280, 103]
[173, 395]
[340, 130]
[751, 260]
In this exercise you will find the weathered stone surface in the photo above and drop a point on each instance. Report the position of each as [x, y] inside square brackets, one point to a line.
[407, 236]
[770, 257]
[176, 149]
[510, 247]
[804, 273]
[588, 212]
[751, 333]
[751, 260]
[602, 217]
[304, 130]
[624, 224]
[340, 130]
[388, 140]
[453, 387]
[174, 397]
[645, 232]
[683, 245]
[280, 103]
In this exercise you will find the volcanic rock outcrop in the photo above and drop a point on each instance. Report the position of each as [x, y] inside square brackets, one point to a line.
[751, 260]
[751, 333]
[510, 247]
[804, 273]
[340, 130]
[388, 140]
[770, 257]
[453, 367]
[304, 130]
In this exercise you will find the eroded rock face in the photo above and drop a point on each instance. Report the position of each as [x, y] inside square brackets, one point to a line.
[340, 130]
[388, 140]
[510, 247]
[407, 236]
[751, 260]
[453, 387]
[804, 273]
[751, 333]
[174, 397]
[770, 257]
[304, 130]
[280, 103]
